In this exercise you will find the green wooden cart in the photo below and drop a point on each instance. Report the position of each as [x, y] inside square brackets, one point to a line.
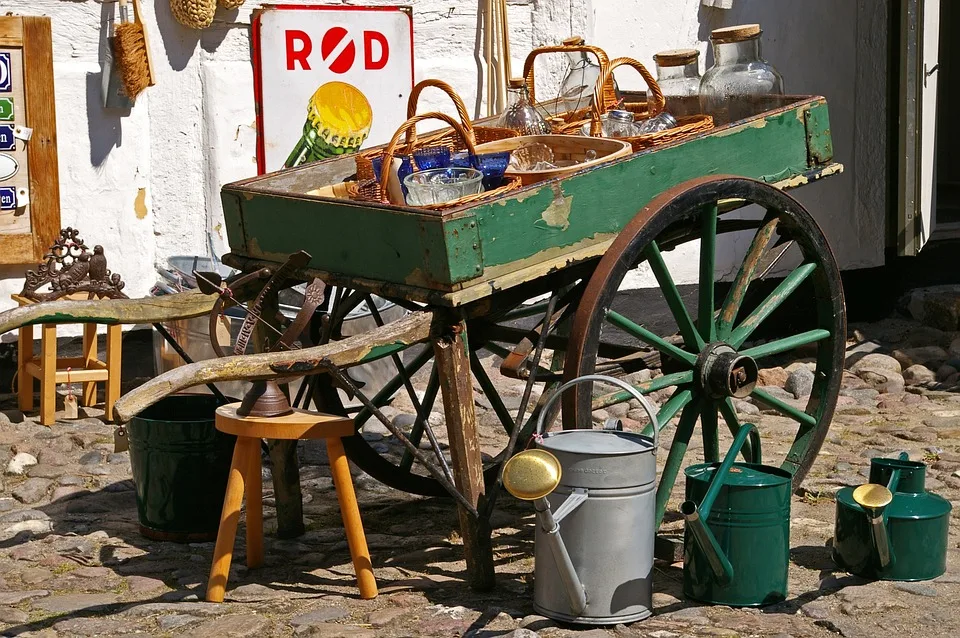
[539, 270]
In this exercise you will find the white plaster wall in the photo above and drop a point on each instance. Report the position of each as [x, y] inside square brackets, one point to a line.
[194, 130]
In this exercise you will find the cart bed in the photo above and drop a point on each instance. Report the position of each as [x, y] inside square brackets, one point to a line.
[467, 253]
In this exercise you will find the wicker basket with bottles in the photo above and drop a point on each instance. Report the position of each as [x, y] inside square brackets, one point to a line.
[449, 137]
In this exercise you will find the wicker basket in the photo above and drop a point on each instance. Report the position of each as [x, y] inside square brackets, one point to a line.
[559, 122]
[445, 137]
[567, 149]
[685, 125]
[370, 190]
[195, 14]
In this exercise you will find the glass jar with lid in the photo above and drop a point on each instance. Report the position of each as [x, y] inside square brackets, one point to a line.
[580, 79]
[731, 89]
[521, 115]
[678, 74]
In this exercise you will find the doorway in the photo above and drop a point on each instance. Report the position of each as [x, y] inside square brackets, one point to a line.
[947, 208]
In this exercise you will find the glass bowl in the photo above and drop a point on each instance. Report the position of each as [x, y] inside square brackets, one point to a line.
[442, 185]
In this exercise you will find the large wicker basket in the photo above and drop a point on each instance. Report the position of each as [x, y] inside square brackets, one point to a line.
[686, 126]
[559, 121]
[446, 137]
[370, 190]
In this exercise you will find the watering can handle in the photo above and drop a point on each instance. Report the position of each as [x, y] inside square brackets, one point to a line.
[613, 381]
[747, 429]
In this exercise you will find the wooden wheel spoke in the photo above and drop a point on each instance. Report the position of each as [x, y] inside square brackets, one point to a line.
[650, 338]
[785, 409]
[680, 398]
[709, 431]
[668, 288]
[771, 303]
[666, 381]
[734, 298]
[490, 391]
[387, 391]
[421, 425]
[708, 251]
[678, 449]
[786, 344]
[729, 414]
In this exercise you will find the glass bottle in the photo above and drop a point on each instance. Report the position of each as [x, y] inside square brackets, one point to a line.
[520, 114]
[580, 79]
[678, 74]
[730, 91]
[619, 124]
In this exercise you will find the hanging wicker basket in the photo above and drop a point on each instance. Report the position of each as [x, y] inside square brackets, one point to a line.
[446, 137]
[194, 14]
[371, 190]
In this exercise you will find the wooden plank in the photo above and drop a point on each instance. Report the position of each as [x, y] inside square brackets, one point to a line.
[47, 373]
[456, 385]
[24, 380]
[74, 376]
[89, 358]
[11, 31]
[42, 118]
[368, 346]
[112, 393]
[148, 310]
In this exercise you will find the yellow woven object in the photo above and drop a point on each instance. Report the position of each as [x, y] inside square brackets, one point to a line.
[230, 4]
[195, 14]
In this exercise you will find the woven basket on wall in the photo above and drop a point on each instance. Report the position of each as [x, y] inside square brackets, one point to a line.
[195, 14]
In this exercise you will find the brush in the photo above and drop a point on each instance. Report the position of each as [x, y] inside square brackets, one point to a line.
[132, 51]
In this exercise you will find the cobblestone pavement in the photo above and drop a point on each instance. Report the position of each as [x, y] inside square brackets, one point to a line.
[72, 562]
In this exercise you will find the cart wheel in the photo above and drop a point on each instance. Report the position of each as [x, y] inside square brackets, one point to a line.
[386, 460]
[710, 359]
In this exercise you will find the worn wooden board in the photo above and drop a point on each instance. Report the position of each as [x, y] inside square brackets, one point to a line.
[514, 238]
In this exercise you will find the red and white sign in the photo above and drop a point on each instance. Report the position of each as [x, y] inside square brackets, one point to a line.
[299, 48]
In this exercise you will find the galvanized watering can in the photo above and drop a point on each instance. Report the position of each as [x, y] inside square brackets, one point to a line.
[737, 541]
[601, 485]
[892, 528]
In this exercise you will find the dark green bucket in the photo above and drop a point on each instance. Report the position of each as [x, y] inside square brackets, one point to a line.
[180, 464]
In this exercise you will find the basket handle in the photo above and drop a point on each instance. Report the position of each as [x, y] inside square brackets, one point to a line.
[411, 123]
[462, 112]
[599, 53]
[599, 107]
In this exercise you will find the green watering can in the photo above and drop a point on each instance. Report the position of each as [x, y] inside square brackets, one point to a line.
[892, 528]
[737, 540]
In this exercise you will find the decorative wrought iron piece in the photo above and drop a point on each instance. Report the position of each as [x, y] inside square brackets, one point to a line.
[71, 268]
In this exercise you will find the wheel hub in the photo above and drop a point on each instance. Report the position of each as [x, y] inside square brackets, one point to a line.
[722, 372]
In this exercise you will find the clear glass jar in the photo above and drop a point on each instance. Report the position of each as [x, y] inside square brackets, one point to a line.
[619, 124]
[580, 79]
[678, 74]
[520, 114]
[730, 89]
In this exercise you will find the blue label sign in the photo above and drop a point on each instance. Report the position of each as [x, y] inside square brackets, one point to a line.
[6, 73]
[7, 141]
[8, 198]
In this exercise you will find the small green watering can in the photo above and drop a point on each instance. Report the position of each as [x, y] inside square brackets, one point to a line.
[737, 541]
[892, 528]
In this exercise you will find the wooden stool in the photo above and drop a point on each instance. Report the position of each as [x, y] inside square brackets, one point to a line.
[86, 369]
[245, 475]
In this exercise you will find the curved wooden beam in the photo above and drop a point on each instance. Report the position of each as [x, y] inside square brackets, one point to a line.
[393, 337]
[147, 310]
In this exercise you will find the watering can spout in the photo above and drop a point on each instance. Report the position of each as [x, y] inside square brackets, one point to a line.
[530, 476]
[719, 564]
[874, 500]
[695, 515]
